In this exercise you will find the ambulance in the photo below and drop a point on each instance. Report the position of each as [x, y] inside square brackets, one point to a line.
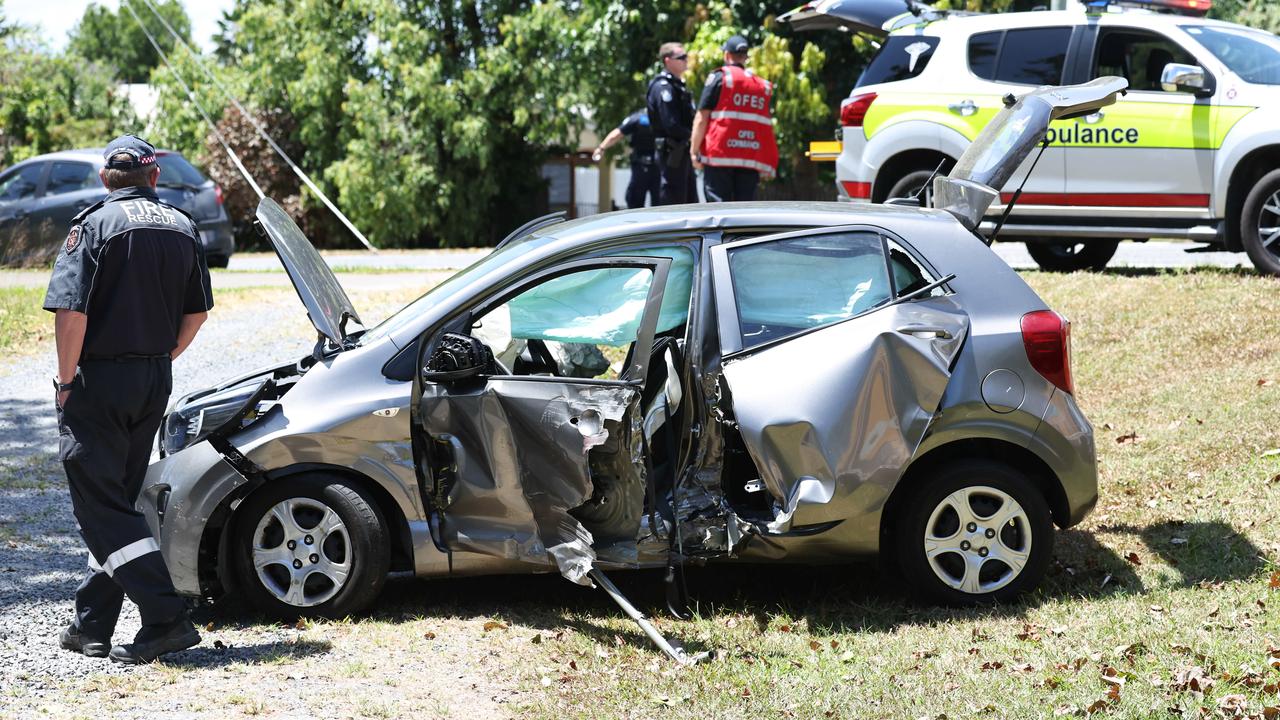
[1192, 151]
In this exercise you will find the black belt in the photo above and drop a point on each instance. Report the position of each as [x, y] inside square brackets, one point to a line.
[126, 356]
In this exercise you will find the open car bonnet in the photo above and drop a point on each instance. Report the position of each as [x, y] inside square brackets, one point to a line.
[866, 16]
[974, 184]
[327, 303]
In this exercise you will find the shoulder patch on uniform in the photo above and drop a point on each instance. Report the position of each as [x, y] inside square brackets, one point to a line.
[73, 238]
[666, 96]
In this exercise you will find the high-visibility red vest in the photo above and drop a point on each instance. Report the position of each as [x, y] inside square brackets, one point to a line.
[741, 130]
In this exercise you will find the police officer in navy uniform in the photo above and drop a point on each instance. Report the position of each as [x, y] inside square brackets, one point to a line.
[130, 289]
[670, 106]
[645, 178]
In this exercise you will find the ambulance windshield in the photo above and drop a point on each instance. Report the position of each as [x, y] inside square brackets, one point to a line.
[1254, 55]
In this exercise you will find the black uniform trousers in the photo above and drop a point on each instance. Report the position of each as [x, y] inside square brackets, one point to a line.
[726, 184]
[645, 181]
[679, 185]
[107, 426]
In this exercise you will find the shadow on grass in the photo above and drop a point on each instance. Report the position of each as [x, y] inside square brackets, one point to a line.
[206, 656]
[831, 599]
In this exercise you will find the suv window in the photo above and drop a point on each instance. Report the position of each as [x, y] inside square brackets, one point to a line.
[1137, 56]
[68, 177]
[1031, 56]
[902, 57]
[774, 289]
[21, 183]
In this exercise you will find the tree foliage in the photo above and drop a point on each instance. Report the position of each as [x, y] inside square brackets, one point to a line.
[114, 39]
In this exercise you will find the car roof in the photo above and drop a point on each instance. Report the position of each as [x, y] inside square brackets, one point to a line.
[89, 155]
[731, 216]
[966, 24]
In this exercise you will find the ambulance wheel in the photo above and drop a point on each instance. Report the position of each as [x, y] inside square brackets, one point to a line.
[1260, 224]
[309, 545]
[910, 184]
[1070, 257]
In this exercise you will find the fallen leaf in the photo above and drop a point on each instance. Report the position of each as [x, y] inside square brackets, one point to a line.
[428, 635]
[495, 625]
[785, 628]
[834, 644]
[992, 665]
[1097, 707]
[1265, 382]
[573, 664]
[536, 639]
[746, 692]
[815, 646]
[1129, 438]
[1108, 426]
[300, 625]
[1274, 583]
[1133, 558]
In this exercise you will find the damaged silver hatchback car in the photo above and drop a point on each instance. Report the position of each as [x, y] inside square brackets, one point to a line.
[761, 382]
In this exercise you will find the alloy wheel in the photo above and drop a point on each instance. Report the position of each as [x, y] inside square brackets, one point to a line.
[302, 552]
[978, 540]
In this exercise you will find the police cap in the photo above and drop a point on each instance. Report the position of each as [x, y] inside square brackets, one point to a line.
[140, 152]
[736, 45]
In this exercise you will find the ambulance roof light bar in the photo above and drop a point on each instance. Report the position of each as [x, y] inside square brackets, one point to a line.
[1195, 8]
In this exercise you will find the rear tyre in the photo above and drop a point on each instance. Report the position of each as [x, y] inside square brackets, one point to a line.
[310, 545]
[1070, 257]
[977, 531]
[1260, 224]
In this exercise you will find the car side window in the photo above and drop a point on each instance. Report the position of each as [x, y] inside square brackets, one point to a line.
[1029, 56]
[1137, 56]
[908, 274]
[21, 183]
[789, 285]
[580, 324]
[67, 177]
[901, 58]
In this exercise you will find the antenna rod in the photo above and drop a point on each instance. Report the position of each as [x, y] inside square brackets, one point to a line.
[192, 97]
[261, 131]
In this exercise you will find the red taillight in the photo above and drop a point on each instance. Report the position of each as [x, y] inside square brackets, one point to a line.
[217, 193]
[1047, 337]
[854, 109]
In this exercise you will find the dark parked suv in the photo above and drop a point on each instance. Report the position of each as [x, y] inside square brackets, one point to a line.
[40, 196]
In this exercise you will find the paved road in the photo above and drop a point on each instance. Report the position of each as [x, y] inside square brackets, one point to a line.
[1154, 254]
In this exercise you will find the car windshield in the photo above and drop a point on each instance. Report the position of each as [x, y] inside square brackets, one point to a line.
[413, 310]
[174, 169]
[1254, 55]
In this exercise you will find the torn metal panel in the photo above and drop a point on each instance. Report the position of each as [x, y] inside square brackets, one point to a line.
[520, 452]
[842, 409]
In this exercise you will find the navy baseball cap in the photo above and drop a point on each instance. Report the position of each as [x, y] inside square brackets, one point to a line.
[140, 151]
[736, 45]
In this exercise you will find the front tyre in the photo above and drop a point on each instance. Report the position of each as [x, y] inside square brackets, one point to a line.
[312, 545]
[1070, 257]
[1260, 224]
[977, 531]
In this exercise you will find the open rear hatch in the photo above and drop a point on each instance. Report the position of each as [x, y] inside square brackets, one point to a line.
[872, 17]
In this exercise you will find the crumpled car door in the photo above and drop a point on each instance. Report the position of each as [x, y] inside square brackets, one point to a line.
[832, 378]
[507, 459]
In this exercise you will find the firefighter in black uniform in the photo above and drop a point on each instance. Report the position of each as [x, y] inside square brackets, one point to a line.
[670, 106]
[644, 163]
[130, 289]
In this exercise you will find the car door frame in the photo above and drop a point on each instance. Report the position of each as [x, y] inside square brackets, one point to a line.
[10, 221]
[429, 468]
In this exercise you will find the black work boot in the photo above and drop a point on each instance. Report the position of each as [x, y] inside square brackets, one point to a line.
[72, 639]
[152, 642]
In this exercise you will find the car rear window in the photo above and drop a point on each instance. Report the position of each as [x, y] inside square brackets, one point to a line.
[175, 168]
[902, 57]
[774, 289]
[1031, 56]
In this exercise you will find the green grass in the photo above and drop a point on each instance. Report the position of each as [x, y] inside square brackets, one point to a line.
[23, 320]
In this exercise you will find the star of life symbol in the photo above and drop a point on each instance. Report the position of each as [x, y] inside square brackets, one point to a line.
[915, 50]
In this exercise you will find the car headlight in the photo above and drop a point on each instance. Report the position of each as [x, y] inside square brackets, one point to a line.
[198, 416]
